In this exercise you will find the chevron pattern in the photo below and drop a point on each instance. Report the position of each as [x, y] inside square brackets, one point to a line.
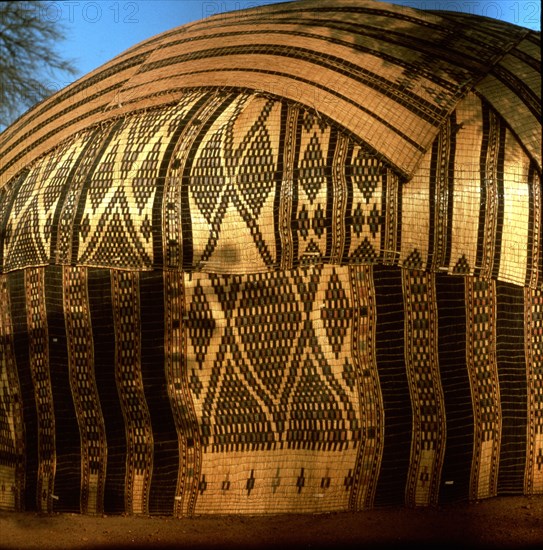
[286, 260]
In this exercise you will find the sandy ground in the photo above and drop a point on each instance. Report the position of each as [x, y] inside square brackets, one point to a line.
[504, 522]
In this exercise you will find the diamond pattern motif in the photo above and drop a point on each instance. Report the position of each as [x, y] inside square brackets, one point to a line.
[270, 359]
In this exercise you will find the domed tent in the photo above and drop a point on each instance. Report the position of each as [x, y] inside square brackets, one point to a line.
[285, 259]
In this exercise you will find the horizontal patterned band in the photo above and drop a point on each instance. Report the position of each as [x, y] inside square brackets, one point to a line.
[310, 390]
[225, 182]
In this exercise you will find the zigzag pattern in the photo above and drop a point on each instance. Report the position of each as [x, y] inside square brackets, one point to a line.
[283, 260]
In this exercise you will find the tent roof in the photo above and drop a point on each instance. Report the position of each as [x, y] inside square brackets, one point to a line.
[389, 74]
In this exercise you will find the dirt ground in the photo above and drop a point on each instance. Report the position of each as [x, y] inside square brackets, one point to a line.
[498, 523]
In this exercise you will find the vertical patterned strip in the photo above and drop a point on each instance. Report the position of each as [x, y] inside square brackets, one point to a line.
[516, 241]
[79, 153]
[103, 334]
[12, 447]
[397, 404]
[139, 434]
[418, 216]
[483, 373]
[442, 193]
[335, 197]
[17, 298]
[313, 193]
[39, 365]
[421, 357]
[496, 168]
[87, 161]
[534, 269]
[84, 391]
[392, 207]
[538, 213]
[451, 310]
[512, 371]
[370, 452]
[287, 187]
[533, 299]
[8, 194]
[102, 161]
[491, 208]
[67, 438]
[179, 394]
[214, 109]
[165, 452]
[465, 173]
[175, 211]
[339, 195]
[167, 235]
[365, 177]
[453, 127]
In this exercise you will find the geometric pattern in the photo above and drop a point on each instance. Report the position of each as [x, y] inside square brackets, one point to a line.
[534, 376]
[269, 377]
[232, 184]
[12, 449]
[282, 389]
[421, 357]
[334, 201]
[256, 266]
[139, 434]
[363, 480]
[483, 374]
[41, 381]
[84, 391]
[178, 378]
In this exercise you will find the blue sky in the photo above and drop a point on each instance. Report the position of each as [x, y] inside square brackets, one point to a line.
[99, 30]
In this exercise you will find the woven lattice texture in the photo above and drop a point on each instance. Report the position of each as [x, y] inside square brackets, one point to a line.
[284, 260]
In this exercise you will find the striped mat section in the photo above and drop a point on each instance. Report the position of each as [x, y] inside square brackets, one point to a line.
[326, 55]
